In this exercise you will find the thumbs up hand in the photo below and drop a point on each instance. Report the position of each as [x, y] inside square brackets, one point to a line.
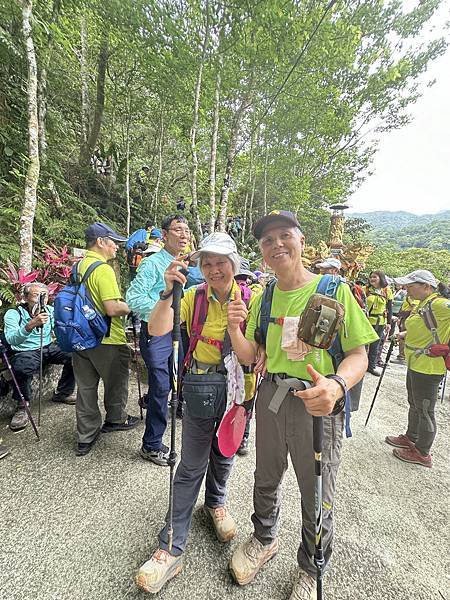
[237, 311]
[319, 400]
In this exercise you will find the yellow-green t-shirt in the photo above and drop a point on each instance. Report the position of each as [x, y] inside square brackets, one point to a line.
[419, 336]
[356, 330]
[377, 300]
[102, 285]
[214, 327]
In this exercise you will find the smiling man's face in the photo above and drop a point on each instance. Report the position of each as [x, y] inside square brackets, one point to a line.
[282, 246]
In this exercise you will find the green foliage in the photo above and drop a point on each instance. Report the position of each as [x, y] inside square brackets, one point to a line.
[308, 127]
[396, 263]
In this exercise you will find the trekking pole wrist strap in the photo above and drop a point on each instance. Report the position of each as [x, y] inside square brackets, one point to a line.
[340, 403]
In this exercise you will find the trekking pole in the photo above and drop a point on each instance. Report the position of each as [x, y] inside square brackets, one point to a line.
[19, 391]
[388, 358]
[42, 296]
[319, 560]
[443, 387]
[176, 337]
[138, 376]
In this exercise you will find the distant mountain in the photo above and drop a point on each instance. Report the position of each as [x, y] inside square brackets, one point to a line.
[406, 230]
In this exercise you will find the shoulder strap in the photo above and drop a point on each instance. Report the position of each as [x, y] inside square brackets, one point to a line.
[328, 285]
[430, 320]
[265, 309]
[89, 270]
[198, 320]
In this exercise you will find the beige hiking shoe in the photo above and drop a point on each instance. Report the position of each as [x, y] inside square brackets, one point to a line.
[249, 557]
[304, 587]
[223, 522]
[161, 567]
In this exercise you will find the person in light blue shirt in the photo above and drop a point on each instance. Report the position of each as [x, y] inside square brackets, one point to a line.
[141, 297]
[23, 333]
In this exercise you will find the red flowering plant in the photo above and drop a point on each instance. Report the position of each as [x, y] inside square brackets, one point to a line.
[54, 268]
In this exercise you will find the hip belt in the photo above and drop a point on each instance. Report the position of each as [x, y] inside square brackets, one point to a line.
[285, 384]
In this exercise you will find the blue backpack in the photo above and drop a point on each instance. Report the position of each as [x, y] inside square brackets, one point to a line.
[78, 324]
[328, 286]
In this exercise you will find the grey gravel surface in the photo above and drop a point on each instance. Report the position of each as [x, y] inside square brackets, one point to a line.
[78, 528]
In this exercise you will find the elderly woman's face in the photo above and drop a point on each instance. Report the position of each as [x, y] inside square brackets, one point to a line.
[217, 270]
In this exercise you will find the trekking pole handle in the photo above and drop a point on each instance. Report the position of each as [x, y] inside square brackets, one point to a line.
[176, 305]
[317, 434]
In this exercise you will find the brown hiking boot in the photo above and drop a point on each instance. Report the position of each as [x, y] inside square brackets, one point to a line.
[399, 441]
[304, 587]
[223, 522]
[157, 571]
[412, 455]
[249, 557]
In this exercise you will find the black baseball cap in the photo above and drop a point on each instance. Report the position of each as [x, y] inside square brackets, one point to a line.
[276, 215]
[97, 230]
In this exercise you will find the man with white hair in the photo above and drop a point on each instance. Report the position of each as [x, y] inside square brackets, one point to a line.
[22, 332]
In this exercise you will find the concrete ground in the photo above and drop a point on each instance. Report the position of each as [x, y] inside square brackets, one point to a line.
[78, 528]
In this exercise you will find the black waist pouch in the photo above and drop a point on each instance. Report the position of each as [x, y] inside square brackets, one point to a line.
[205, 394]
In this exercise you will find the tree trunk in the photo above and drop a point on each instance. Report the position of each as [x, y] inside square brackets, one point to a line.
[252, 195]
[127, 170]
[231, 156]
[198, 85]
[160, 163]
[213, 155]
[266, 160]
[249, 183]
[88, 148]
[32, 176]
[84, 81]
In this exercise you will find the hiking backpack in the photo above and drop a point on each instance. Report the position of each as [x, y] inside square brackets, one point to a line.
[78, 323]
[328, 286]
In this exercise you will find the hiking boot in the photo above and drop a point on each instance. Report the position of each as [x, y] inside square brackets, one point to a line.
[374, 371]
[304, 587]
[412, 455]
[19, 420]
[223, 522]
[399, 441]
[161, 567]
[249, 557]
[130, 423]
[4, 451]
[60, 399]
[159, 457]
[243, 448]
[84, 448]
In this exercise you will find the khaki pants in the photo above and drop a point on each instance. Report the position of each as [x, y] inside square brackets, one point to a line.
[290, 431]
[110, 364]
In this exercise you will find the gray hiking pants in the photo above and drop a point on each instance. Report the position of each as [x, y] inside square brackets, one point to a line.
[109, 363]
[422, 397]
[200, 454]
[290, 431]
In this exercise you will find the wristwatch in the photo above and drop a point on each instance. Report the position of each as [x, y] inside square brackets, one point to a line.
[340, 403]
[165, 296]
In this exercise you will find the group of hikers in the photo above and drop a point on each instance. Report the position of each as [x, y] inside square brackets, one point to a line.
[299, 341]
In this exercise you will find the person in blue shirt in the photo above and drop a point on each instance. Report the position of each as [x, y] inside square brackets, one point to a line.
[141, 297]
[22, 332]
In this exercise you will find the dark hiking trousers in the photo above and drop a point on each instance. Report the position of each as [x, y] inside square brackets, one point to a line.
[422, 397]
[26, 364]
[290, 431]
[156, 352]
[200, 454]
[374, 346]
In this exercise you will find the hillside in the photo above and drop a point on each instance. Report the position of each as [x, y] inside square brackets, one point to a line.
[407, 230]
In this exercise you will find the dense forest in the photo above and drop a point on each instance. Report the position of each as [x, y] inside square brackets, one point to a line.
[116, 110]
[406, 230]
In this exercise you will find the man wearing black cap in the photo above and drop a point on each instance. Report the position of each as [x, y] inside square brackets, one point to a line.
[109, 360]
[284, 416]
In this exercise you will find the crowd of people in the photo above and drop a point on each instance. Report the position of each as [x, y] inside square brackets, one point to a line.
[240, 342]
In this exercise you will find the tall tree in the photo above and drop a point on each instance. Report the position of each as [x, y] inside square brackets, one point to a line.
[32, 175]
